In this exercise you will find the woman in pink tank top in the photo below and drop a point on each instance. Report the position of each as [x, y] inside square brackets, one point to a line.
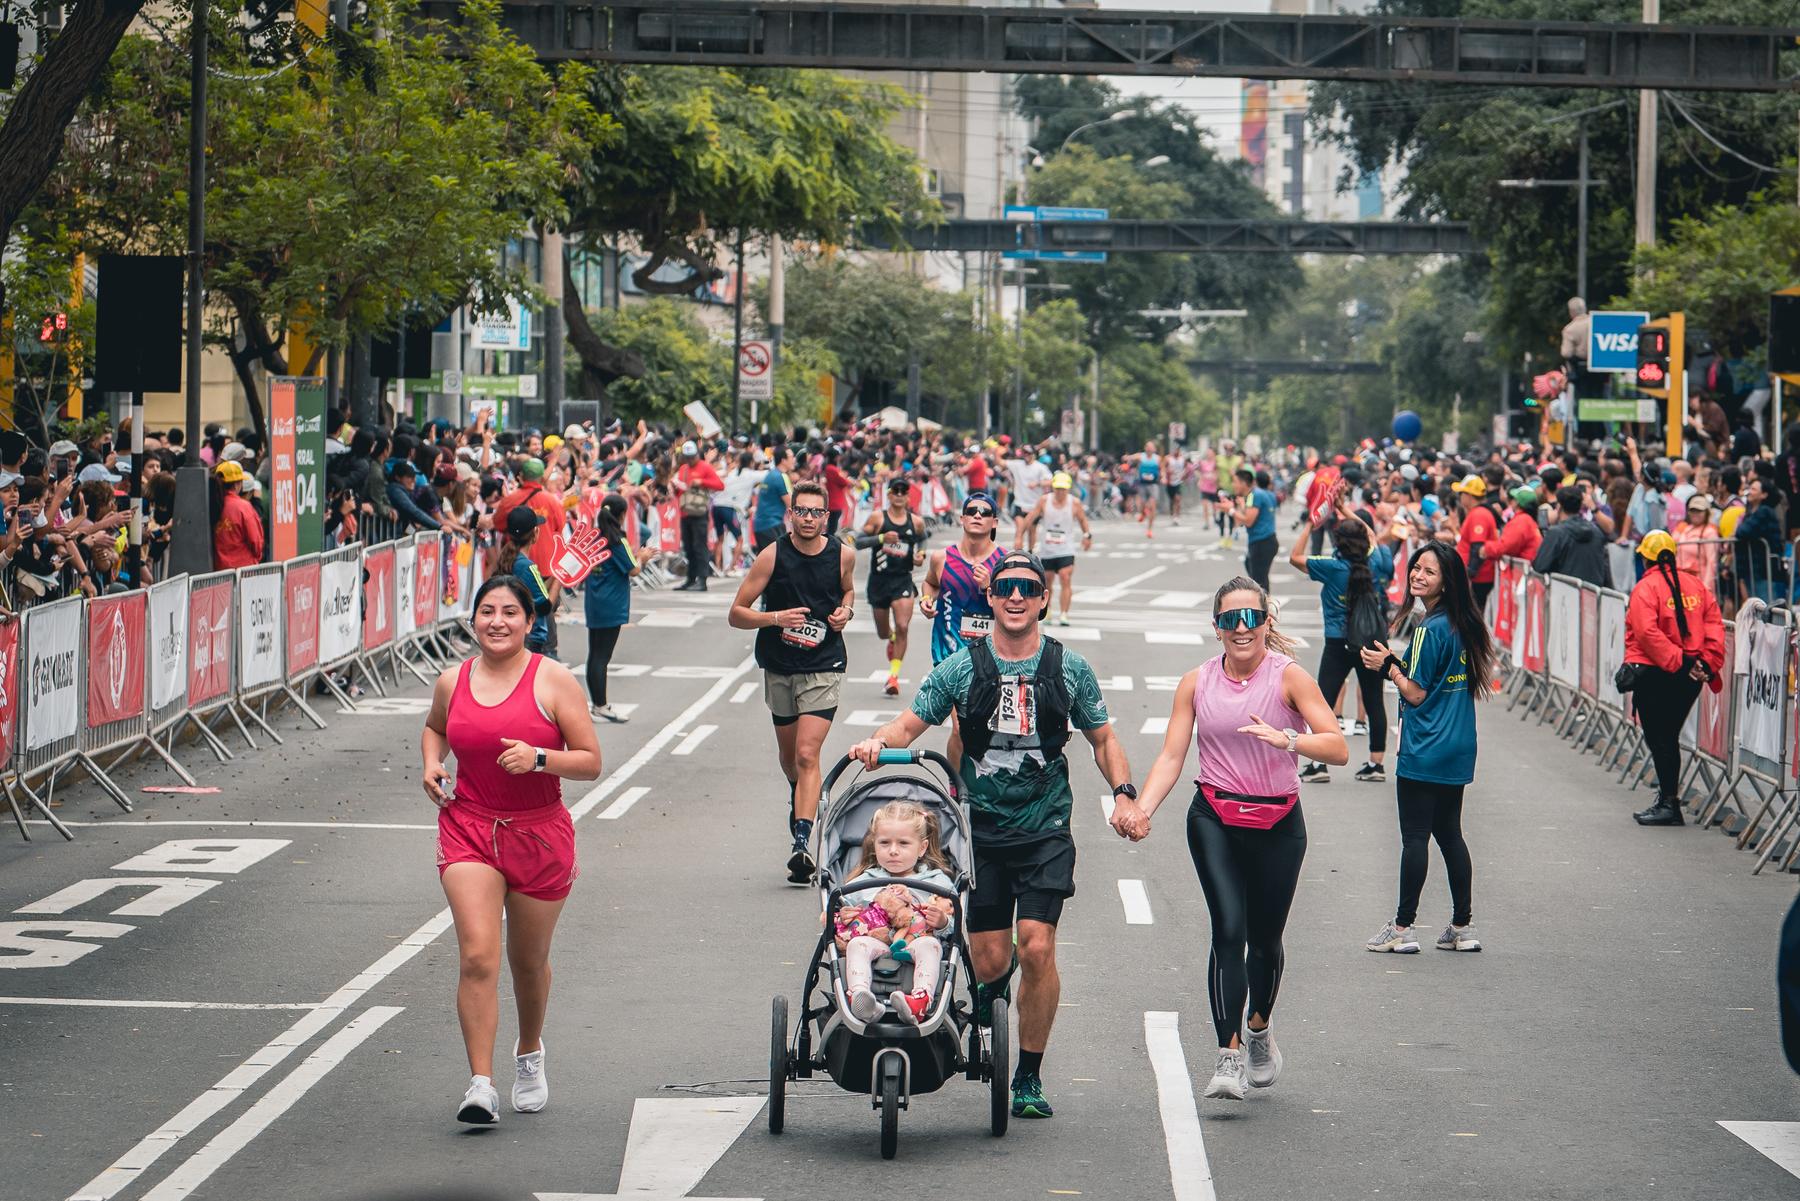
[518, 725]
[1251, 712]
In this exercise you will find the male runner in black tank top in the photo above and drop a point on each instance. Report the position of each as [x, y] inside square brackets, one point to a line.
[896, 535]
[807, 585]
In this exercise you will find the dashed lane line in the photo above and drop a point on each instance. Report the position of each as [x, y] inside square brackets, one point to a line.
[1155, 725]
[1136, 902]
[1112, 592]
[691, 743]
[620, 807]
[125, 1003]
[1190, 1173]
[745, 691]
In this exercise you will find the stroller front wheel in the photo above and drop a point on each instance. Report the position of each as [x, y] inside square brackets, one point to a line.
[890, 1107]
[999, 1070]
[778, 1065]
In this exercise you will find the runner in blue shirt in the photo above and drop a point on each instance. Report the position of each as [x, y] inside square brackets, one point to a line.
[772, 500]
[1448, 666]
[1255, 511]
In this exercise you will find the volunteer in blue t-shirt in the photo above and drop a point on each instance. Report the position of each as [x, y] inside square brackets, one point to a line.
[773, 495]
[1354, 576]
[1448, 667]
[1255, 511]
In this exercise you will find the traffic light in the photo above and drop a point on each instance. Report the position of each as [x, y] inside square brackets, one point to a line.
[1653, 357]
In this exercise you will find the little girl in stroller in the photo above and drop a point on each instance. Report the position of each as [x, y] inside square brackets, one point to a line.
[902, 843]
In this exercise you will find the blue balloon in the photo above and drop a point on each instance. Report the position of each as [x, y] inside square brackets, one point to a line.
[1407, 426]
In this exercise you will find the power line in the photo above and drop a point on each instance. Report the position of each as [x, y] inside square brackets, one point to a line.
[1707, 134]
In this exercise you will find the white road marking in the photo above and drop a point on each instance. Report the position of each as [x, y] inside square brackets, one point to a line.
[389, 706]
[694, 671]
[621, 774]
[691, 743]
[166, 892]
[874, 718]
[121, 1003]
[1174, 637]
[670, 619]
[1136, 902]
[142, 824]
[1116, 684]
[622, 806]
[1178, 600]
[271, 1105]
[1779, 1141]
[1113, 592]
[674, 1142]
[623, 708]
[227, 855]
[1189, 1172]
[1155, 725]
[624, 671]
[128, 1167]
[1073, 633]
[745, 691]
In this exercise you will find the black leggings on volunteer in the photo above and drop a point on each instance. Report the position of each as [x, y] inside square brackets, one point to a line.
[1427, 812]
[1249, 877]
[601, 641]
[1336, 662]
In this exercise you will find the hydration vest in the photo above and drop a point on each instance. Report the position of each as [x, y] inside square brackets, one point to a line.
[974, 714]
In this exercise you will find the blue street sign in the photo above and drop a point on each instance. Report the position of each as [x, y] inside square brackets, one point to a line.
[1020, 212]
[1612, 341]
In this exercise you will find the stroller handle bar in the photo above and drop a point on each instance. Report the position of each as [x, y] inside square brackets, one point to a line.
[897, 757]
[839, 891]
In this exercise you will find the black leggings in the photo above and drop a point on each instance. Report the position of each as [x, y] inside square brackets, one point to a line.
[601, 642]
[1248, 877]
[1662, 705]
[1429, 811]
[1335, 664]
[693, 547]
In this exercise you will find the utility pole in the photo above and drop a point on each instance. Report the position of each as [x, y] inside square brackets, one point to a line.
[777, 300]
[737, 332]
[1646, 152]
[191, 548]
[550, 255]
[1581, 212]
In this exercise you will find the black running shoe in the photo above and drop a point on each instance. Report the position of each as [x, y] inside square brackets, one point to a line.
[800, 866]
[1371, 773]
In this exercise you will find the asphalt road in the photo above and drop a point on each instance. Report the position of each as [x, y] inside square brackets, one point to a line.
[286, 1027]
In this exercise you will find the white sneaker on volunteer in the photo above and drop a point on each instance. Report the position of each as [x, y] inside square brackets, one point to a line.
[1228, 1078]
[531, 1087]
[1459, 939]
[1262, 1057]
[1393, 938]
[481, 1104]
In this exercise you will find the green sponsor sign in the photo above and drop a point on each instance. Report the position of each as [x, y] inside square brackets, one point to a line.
[296, 465]
[477, 385]
[1607, 409]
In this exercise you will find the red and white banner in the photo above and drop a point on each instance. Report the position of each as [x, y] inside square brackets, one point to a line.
[9, 691]
[168, 621]
[301, 583]
[1396, 589]
[115, 663]
[1590, 642]
[209, 641]
[1531, 622]
[1506, 602]
[1711, 735]
[429, 583]
[378, 598]
[668, 527]
[406, 564]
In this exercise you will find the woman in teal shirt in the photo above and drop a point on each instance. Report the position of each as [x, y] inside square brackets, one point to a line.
[607, 601]
[1449, 665]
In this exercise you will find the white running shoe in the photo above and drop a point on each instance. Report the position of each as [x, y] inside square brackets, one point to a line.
[863, 1005]
[1392, 938]
[607, 713]
[1262, 1058]
[481, 1104]
[531, 1087]
[1228, 1078]
[1455, 939]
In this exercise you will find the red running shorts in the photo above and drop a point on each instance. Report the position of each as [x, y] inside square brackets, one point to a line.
[533, 849]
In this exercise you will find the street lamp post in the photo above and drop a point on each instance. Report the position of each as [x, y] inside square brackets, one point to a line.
[1123, 114]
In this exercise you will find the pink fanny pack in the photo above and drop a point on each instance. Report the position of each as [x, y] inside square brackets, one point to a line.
[1251, 812]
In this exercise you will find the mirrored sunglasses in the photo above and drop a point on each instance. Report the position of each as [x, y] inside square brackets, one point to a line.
[807, 511]
[1239, 619]
[1016, 586]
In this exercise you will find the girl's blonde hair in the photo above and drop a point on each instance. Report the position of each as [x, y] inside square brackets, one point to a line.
[1278, 642]
[925, 825]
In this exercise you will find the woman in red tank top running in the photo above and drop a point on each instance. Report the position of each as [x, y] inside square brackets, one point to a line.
[518, 726]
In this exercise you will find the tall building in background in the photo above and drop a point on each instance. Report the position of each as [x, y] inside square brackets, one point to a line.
[1300, 172]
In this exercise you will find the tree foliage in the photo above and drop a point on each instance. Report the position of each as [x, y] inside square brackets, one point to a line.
[348, 184]
[39, 288]
[1456, 143]
[1143, 387]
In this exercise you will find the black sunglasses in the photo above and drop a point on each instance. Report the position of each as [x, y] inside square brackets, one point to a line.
[977, 511]
[1016, 586]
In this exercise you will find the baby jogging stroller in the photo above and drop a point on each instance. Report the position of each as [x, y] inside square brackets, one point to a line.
[890, 1060]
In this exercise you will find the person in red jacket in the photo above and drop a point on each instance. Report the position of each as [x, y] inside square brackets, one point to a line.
[237, 530]
[1475, 541]
[1676, 637]
[1521, 537]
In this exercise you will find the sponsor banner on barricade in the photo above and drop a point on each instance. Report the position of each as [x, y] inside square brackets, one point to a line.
[9, 690]
[406, 562]
[300, 581]
[259, 628]
[1712, 733]
[1611, 640]
[1506, 603]
[209, 640]
[668, 527]
[378, 597]
[1563, 632]
[428, 581]
[1623, 561]
[115, 658]
[52, 679]
[340, 607]
[458, 555]
[1396, 589]
[1590, 642]
[168, 642]
[1530, 640]
[1759, 723]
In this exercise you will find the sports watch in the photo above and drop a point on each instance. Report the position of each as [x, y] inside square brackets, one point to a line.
[542, 759]
[1293, 737]
[1126, 790]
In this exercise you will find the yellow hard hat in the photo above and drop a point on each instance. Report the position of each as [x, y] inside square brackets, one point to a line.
[553, 441]
[1656, 544]
[1061, 480]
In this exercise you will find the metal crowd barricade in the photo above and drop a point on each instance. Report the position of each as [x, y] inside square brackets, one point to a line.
[115, 722]
[1583, 719]
[300, 635]
[12, 681]
[212, 660]
[1761, 775]
[379, 568]
[1715, 733]
[341, 621]
[258, 618]
[165, 638]
[404, 650]
[1613, 708]
[53, 685]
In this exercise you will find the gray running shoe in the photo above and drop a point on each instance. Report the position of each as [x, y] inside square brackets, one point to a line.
[1228, 1078]
[1262, 1058]
[1455, 939]
[1392, 938]
[1315, 773]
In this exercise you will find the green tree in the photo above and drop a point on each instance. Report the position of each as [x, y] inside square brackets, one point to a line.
[1457, 143]
[348, 184]
[707, 157]
[51, 328]
[1053, 359]
[1143, 387]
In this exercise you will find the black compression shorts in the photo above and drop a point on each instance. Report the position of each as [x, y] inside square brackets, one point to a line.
[1057, 562]
[884, 589]
[1031, 878]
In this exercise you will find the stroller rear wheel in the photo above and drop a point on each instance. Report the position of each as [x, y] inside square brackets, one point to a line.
[1000, 1069]
[778, 1065]
[889, 1087]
